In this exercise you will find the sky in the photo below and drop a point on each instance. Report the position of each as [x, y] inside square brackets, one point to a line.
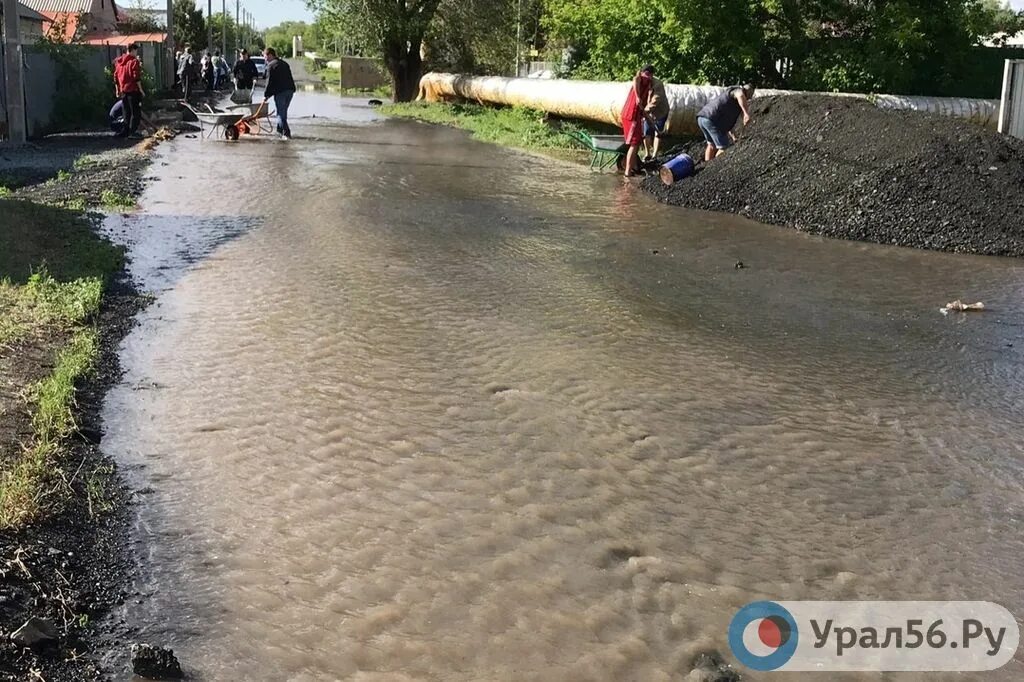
[272, 12]
[269, 13]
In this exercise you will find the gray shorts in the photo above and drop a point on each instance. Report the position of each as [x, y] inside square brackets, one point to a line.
[712, 134]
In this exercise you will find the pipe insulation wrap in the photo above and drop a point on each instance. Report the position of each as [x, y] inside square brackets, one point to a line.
[602, 101]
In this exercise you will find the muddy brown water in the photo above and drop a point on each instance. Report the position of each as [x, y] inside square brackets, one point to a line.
[412, 407]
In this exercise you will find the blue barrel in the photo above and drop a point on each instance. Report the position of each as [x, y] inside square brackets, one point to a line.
[677, 169]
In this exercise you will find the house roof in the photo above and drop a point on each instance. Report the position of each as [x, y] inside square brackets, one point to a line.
[70, 20]
[124, 40]
[26, 12]
[59, 6]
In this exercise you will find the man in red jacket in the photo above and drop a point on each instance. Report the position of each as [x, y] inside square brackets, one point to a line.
[128, 81]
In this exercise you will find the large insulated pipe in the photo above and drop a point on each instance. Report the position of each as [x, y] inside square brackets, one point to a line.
[602, 101]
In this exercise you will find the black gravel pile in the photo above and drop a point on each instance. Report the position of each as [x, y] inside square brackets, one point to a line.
[843, 168]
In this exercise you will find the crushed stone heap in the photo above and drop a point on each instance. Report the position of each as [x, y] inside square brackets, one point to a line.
[843, 168]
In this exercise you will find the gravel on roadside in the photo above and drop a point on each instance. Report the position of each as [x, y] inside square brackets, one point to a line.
[843, 168]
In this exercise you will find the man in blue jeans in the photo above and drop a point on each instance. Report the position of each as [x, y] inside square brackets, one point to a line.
[719, 116]
[280, 86]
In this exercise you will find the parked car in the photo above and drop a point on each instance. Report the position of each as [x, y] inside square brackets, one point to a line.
[261, 67]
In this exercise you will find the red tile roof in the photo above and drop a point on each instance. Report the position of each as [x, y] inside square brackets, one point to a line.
[124, 40]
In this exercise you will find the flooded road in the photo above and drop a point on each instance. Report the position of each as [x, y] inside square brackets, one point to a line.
[412, 407]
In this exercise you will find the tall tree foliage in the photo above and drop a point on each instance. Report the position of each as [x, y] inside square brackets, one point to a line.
[393, 29]
[189, 24]
[997, 20]
[480, 36]
[225, 32]
[906, 46]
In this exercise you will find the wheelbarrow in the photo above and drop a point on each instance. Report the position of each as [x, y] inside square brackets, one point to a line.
[605, 150]
[234, 122]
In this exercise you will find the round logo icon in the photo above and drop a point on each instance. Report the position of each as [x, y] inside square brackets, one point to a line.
[763, 636]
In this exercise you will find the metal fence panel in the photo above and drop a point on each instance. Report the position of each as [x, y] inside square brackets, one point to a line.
[42, 83]
[1011, 109]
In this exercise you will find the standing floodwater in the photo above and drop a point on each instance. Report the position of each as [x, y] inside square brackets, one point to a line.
[411, 407]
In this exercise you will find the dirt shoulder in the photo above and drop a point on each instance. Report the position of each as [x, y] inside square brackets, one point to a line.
[64, 513]
[846, 169]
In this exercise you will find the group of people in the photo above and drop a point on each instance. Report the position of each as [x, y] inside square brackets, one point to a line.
[126, 116]
[280, 85]
[647, 109]
[211, 72]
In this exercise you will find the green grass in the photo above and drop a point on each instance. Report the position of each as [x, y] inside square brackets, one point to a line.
[382, 92]
[27, 487]
[97, 494]
[61, 176]
[112, 199]
[44, 302]
[78, 204]
[512, 126]
[86, 161]
[325, 73]
[35, 235]
[53, 269]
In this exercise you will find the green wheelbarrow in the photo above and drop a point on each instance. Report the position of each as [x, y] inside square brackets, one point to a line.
[605, 150]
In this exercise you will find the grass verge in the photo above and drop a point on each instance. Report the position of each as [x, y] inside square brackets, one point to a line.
[512, 126]
[28, 486]
[112, 199]
[52, 277]
[382, 92]
[318, 67]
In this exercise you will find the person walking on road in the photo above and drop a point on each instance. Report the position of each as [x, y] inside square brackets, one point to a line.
[245, 71]
[128, 81]
[207, 72]
[187, 72]
[719, 116]
[280, 86]
[220, 71]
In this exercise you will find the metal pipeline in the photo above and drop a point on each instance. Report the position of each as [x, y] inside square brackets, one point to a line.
[602, 101]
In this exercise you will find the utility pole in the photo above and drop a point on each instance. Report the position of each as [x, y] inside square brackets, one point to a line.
[519, 34]
[238, 29]
[224, 28]
[12, 69]
[209, 25]
[170, 43]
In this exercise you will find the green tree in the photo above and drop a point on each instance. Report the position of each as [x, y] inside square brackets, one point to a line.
[996, 19]
[479, 36]
[189, 24]
[391, 29]
[137, 20]
[224, 26]
[914, 47]
[902, 46]
[280, 37]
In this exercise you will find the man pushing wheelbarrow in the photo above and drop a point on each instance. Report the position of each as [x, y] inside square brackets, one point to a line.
[280, 86]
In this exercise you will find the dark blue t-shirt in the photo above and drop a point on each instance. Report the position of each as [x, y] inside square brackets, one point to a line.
[723, 110]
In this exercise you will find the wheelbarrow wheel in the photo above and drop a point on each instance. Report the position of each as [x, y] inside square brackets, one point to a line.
[231, 133]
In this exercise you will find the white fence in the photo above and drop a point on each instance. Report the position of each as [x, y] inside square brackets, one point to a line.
[1011, 110]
